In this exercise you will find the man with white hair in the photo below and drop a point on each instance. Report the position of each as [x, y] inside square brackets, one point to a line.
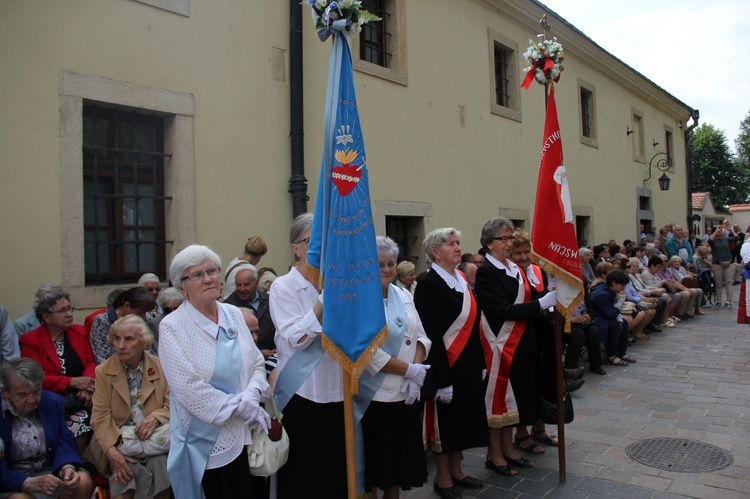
[247, 295]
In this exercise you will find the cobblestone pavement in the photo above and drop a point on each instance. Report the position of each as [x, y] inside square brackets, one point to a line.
[689, 382]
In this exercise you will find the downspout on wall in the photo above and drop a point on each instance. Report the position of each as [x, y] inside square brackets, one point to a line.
[297, 181]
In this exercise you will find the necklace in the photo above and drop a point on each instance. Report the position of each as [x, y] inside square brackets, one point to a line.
[59, 337]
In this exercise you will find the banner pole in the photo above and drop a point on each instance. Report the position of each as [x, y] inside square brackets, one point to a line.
[351, 460]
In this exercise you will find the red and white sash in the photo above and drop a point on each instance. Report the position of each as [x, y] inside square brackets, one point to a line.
[499, 399]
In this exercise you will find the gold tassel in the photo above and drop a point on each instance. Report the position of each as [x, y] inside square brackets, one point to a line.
[354, 368]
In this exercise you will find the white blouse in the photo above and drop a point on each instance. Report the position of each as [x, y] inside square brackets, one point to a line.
[390, 390]
[187, 351]
[291, 303]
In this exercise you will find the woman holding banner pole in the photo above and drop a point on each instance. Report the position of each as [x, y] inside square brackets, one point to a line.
[455, 420]
[509, 306]
[394, 453]
[308, 388]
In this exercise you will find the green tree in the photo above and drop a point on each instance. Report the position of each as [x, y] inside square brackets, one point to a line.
[714, 169]
[742, 142]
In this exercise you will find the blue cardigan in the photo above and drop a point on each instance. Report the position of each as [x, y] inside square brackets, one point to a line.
[60, 442]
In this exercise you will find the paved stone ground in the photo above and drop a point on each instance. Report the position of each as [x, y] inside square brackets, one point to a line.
[689, 382]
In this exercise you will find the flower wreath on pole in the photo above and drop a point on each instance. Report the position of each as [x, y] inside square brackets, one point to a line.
[544, 60]
[344, 15]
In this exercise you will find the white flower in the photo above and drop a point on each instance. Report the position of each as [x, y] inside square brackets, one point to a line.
[321, 3]
[345, 3]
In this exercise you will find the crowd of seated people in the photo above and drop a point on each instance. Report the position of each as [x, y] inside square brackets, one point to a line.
[94, 390]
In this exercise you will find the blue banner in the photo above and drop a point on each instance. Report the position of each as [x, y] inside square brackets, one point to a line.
[342, 253]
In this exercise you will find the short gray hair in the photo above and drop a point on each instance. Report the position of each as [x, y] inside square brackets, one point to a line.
[301, 224]
[193, 255]
[169, 294]
[491, 228]
[650, 248]
[25, 370]
[148, 278]
[386, 247]
[585, 252]
[46, 297]
[676, 257]
[437, 238]
[132, 322]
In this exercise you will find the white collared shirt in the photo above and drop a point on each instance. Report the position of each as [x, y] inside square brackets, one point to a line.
[452, 281]
[511, 269]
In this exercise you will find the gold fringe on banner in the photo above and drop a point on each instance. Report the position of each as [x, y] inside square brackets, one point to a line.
[566, 277]
[354, 369]
[313, 275]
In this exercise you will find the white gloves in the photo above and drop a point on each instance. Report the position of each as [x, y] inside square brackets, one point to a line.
[416, 372]
[411, 389]
[251, 412]
[551, 283]
[444, 395]
[548, 300]
[484, 374]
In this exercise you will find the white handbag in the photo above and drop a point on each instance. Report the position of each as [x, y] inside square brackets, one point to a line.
[156, 445]
[269, 452]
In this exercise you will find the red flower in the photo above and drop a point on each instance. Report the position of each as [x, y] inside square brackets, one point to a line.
[151, 371]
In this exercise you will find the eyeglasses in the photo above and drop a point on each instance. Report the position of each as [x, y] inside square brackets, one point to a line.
[505, 239]
[63, 311]
[198, 276]
[305, 240]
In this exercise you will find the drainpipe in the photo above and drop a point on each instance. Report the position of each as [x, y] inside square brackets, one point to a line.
[297, 182]
[695, 115]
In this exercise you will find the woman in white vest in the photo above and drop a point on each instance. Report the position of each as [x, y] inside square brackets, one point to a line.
[216, 377]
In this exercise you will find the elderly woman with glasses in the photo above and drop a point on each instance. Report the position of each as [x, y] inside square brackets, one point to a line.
[455, 420]
[394, 453]
[64, 352]
[510, 303]
[216, 379]
[131, 391]
[40, 459]
[309, 378]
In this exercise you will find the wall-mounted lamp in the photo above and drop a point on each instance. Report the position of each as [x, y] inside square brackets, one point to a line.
[655, 143]
[629, 132]
[663, 162]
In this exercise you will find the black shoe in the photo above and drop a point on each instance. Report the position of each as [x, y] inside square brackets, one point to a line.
[469, 482]
[572, 386]
[653, 328]
[574, 374]
[506, 470]
[598, 370]
[447, 492]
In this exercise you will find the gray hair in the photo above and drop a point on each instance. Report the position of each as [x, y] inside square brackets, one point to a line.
[148, 278]
[25, 370]
[585, 252]
[492, 227]
[676, 257]
[265, 281]
[634, 260]
[301, 224]
[650, 248]
[169, 294]
[437, 238]
[132, 322]
[112, 296]
[386, 247]
[193, 255]
[46, 297]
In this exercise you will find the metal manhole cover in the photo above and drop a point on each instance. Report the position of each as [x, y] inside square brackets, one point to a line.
[679, 454]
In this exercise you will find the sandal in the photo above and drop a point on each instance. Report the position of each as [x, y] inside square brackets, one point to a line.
[628, 359]
[534, 448]
[616, 361]
[505, 470]
[548, 440]
[521, 462]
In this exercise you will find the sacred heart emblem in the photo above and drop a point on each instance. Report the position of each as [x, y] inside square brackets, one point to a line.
[347, 176]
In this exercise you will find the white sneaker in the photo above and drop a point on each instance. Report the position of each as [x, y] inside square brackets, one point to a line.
[727, 304]
[667, 324]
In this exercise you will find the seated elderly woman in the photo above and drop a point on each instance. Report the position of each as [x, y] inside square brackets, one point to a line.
[687, 279]
[131, 401]
[407, 277]
[136, 301]
[64, 352]
[169, 299]
[41, 459]
[150, 282]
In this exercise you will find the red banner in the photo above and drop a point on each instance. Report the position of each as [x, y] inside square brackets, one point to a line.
[553, 234]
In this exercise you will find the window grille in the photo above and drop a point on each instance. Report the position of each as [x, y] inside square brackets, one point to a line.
[375, 38]
[586, 109]
[502, 75]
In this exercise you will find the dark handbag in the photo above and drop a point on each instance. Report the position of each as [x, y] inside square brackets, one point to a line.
[549, 410]
[72, 403]
[690, 282]
[429, 387]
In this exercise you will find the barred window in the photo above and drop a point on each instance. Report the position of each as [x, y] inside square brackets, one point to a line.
[123, 195]
[375, 38]
[587, 107]
[502, 75]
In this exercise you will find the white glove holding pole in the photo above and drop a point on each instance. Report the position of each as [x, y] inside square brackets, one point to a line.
[444, 395]
[416, 373]
[548, 300]
[411, 389]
